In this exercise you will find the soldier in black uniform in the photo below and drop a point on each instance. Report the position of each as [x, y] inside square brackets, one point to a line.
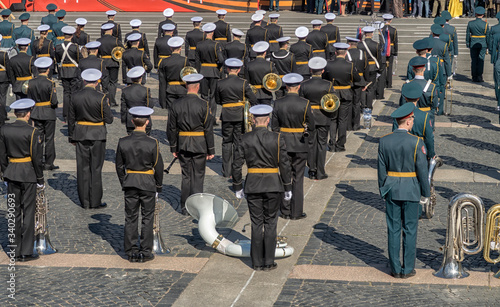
[6, 79]
[117, 30]
[268, 176]
[274, 32]
[358, 57]
[283, 60]
[143, 41]
[292, 117]
[168, 13]
[222, 31]
[318, 40]
[21, 161]
[133, 57]
[389, 54]
[343, 74]
[192, 38]
[302, 52]
[263, 22]
[209, 58]
[139, 167]
[108, 43]
[313, 90]
[333, 33]
[93, 61]
[162, 50]
[89, 113]
[44, 47]
[22, 67]
[80, 38]
[257, 69]
[68, 56]
[191, 137]
[135, 95]
[232, 93]
[237, 50]
[375, 65]
[43, 91]
[257, 33]
[169, 74]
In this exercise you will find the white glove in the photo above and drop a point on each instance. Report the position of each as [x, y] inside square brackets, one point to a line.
[396, 59]
[378, 75]
[455, 56]
[450, 78]
[40, 186]
[156, 195]
[424, 200]
[240, 194]
[288, 195]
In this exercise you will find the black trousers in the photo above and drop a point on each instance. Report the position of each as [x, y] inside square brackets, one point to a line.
[89, 161]
[317, 154]
[231, 137]
[113, 82]
[207, 91]
[70, 85]
[145, 200]
[477, 62]
[47, 129]
[357, 102]
[263, 208]
[370, 91]
[193, 174]
[390, 66]
[24, 195]
[295, 207]
[4, 88]
[170, 98]
[338, 129]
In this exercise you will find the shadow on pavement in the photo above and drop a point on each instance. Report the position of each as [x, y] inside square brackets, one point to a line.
[63, 183]
[111, 233]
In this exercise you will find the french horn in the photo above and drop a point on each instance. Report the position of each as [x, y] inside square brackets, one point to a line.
[272, 82]
[188, 70]
[159, 247]
[117, 53]
[25, 87]
[42, 244]
[330, 103]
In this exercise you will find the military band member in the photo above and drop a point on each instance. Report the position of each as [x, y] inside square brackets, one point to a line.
[6, 79]
[431, 72]
[283, 60]
[191, 137]
[117, 30]
[292, 117]
[476, 35]
[50, 19]
[237, 50]
[139, 167]
[359, 59]
[222, 31]
[21, 162]
[318, 40]
[162, 50]
[108, 43]
[445, 37]
[313, 90]
[389, 54]
[68, 56]
[57, 33]
[440, 50]
[143, 41]
[402, 180]
[169, 74]
[43, 91]
[22, 67]
[302, 52]
[133, 57]
[89, 112]
[168, 13]
[263, 22]
[343, 74]
[274, 32]
[192, 38]
[135, 95]
[256, 71]
[80, 38]
[257, 33]
[7, 30]
[268, 176]
[375, 64]
[232, 93]
[23, 31]
[332, 31]
[209, 57]
[44, 47]
[93, 61]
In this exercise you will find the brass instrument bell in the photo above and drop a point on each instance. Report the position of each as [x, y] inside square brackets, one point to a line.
[248, 117]
[25, 86]
[188, 70]
[330, 103]
[272, 82]
[117, 53]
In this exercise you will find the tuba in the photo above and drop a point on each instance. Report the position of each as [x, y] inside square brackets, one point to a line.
[431, 203]
[117, 53]
[159, 247]
[492, 235]
[187, 71]
[330, 103]
[272, 82]
[42, 244]
[464, 234]
[25, 87]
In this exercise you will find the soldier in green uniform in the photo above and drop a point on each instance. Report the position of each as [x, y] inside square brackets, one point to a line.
[440, 50]
[7, 30]
[57, 34]
[476, 40]
[50, 19]
[452, 32]
[402, 180]
[24, 31]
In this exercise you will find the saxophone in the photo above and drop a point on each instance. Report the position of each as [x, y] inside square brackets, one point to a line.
[159, 247]
[42, 244]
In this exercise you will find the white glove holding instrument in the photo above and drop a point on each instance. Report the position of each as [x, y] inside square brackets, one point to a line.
[378, 75]
[40, 186]
[288, 195]
[240, 194]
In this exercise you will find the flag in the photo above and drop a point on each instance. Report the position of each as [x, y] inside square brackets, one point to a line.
[359, 34]
[387, 46]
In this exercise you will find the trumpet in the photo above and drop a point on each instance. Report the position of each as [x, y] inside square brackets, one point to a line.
[272, 82]
[330, 103]
[117, 53]
[431, 203]
[159, 247]
[42, 244]
[187, 71]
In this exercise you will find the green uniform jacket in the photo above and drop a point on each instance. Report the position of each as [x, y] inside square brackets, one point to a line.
[441, 50]
[49, 20]
[8, 37]
[452, 32]
[25, 32]
[57, 34]
[402, 152]
[493, 38]
[477, 34]
[431, 70]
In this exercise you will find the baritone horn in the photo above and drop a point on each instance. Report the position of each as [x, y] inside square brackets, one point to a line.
[187, 71]
[159, 247]
[272, 82]
[42, 244]
[117, 53]
[247, 117]
[492, 235]
[330, 103]
[431, 203]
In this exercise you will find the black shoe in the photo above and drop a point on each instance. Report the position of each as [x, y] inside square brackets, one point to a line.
[312, 176]
[101, 206]
[322, 177]
[257, 267]
[50, 167]
[302, 216]
[25, 258]
[337, 149]
[413, 273]
[184, 212]
[285, 216]
[395, 275]
[143, 258]
[270, 267]
[330, 148]
[133, 257]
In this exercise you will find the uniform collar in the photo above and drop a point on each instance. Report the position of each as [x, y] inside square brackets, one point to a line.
[401, 130]
[136, 131]
[419, 77]
[21, 120]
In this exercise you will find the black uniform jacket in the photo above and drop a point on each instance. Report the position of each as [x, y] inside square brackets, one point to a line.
[319, 43]
[162, 50]
[143, 42]
[134, 95]
[360, 61]
[117, 30]
[376, 51]
[193, 37]
[255, 72]
[187, 115]
[108, 43]
[293, 112]
[22, 66]
[169, 76]
[222, 31]
[67, 68]
[230, 93]
[47, 49]
[20, 140]
[139, 152]
[254, 35]
[343, 74]
[314, 89]
[273, 33]
[208, 58]
[89, 111]
[302, 52]
[43, 91]
[262, 149]
[93, 61]
[394, 39]
[161, 31]
[5, 71]
[134, 57]
[284, 61]
[237, 50]
[81, 40]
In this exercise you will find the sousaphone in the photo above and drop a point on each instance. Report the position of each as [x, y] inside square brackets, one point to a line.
[330, 103]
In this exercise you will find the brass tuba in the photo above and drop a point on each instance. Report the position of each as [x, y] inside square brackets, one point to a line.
[464, 235]
[330, 103]
[247, 117]
[492, 235]
[117, 53]
[42, 244]
[25, 87]
[431, 203]
[159, 247]
[187, 71]
[272, 82]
